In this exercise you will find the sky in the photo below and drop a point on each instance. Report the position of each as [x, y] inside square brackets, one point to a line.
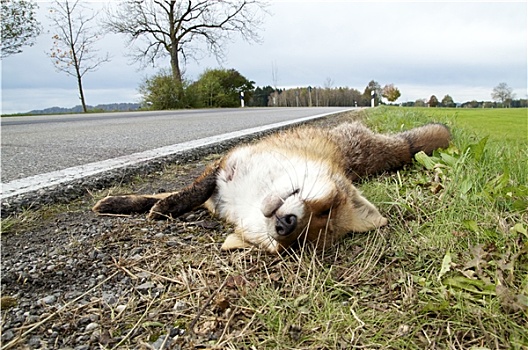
[463, 49]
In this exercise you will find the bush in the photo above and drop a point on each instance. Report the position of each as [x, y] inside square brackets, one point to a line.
[161, 91]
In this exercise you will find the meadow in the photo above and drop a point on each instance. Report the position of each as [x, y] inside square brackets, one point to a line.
[450, 271]
[499, 123]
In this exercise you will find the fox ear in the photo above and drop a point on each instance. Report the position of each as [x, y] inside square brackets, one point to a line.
[365, 216]
[234, 241]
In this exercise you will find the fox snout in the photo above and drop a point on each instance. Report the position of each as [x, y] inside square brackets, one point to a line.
[281, 208]
[285, 224]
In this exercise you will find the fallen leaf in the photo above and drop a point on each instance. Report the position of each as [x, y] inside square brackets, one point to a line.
[446, 266]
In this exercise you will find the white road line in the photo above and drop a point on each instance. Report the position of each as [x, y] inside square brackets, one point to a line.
[37, 182]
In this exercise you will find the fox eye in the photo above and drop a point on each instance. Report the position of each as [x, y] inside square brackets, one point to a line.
[325, 212]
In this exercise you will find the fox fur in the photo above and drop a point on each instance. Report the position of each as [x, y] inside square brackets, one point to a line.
[292, 187]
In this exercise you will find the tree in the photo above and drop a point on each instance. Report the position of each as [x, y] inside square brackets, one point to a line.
[503, 94]
[261, 96]
[420, 103]
[178, 28]
[367, 94]
[433, 101]
[19, 26]
[447, 101]
[222, 87]
[390, 92]
[73, 46]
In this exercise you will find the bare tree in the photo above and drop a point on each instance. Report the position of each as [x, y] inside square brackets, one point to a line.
[328, 83]
[179, 29]
[502, 93]
[73, 49]
[19, 26]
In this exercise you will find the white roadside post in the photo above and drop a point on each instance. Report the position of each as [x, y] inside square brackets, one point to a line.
[372, 93]
[242, 99]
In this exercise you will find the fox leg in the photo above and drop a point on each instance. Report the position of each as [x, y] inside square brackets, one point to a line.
[170, 204]
[178, 203]
[128, 204]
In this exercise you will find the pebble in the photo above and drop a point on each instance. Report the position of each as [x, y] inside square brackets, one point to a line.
[120, 308]
[145, 286]
[161, 343]
[50, 299]
[34, 341]
[109, 298]
[7, 335]
[92, 326]
[180, 306]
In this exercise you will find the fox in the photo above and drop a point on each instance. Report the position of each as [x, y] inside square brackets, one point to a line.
[292, 187]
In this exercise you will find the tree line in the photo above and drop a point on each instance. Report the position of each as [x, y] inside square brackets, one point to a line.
[323, 96]
[502, 96]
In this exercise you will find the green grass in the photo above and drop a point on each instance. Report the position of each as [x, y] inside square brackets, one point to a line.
[500, 124]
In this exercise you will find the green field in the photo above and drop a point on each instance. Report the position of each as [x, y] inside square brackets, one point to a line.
[500, 123]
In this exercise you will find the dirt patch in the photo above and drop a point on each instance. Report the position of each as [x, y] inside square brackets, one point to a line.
[72, 279]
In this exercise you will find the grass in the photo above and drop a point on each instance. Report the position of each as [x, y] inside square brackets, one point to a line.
[499, 124]
[449, 272]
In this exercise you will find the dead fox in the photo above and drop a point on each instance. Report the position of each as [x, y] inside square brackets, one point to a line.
[293, 186]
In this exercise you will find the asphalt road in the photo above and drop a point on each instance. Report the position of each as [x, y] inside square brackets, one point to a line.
[41, 144]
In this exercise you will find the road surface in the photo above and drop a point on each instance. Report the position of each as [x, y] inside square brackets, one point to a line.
[41, 144]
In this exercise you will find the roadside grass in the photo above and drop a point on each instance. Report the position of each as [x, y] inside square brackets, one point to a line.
[450, 271]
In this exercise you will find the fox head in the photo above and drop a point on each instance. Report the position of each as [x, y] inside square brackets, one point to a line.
[278, 197]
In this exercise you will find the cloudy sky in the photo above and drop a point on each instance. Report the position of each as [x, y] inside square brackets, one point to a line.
[463, 49]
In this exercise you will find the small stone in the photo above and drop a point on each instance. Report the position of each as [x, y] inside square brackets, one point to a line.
[159, 343]
[180, 306]
[109, 298]
[50, 299]
[34, 341]
[120, 308]
[82, 347]
[143, 274]
[7, 335]
[91, 326]
[33, 319]
[145, 286]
